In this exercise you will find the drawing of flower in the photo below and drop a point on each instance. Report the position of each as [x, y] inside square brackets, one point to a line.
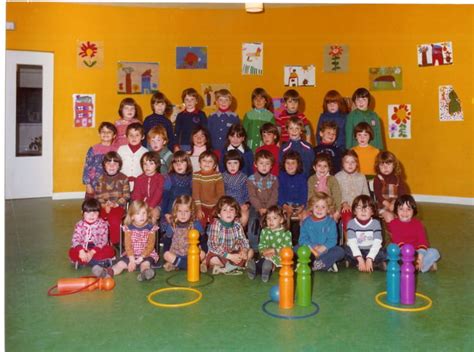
[88, 51]
[401, 115]
[393, 129]
[335, 52]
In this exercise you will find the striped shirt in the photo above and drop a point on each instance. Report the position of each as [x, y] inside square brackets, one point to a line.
[207, 188]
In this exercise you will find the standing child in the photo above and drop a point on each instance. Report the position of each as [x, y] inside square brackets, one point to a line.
[93, 165]
[161, 107]
[254, 119]
[406, 229]
[363, 133]
[319, 233]
[200, 142]
[188, 119]
[334, 110]
[273, 238]
[128, 110]
[220, 121]
[291, 102]
[228, 246]
[112, 192]
[270, 137]
[364, 236]
[158, 142]
[328, 145]
[236, 140]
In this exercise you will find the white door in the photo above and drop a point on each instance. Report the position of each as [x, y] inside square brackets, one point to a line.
[28, 124]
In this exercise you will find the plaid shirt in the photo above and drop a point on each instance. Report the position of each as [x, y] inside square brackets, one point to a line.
[225, 240]
[138, 241]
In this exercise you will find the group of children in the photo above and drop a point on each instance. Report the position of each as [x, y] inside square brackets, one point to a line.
[250, 188]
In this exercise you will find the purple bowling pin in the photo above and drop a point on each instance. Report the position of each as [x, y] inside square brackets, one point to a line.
[407, 275]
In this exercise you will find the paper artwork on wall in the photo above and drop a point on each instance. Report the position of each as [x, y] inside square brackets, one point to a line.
[278, 106]
[299, 76]
[449, 104]
[137, 77]
[208, 91]
[191, 57]
[336, 58]
[83, 106]
[89, 54]
[252, 59]
[385, 78]
[435, 54]
[399, 121]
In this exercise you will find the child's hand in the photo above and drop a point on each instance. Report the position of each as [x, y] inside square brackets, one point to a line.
[419, 262]
[369, 265]
[269, 252]
[83, 255]
[234, 258]
[361, 264]
[346, 207]
[200, 214]
[139, 260]
[131, 265]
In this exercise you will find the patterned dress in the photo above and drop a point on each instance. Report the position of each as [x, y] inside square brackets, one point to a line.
[276, 239]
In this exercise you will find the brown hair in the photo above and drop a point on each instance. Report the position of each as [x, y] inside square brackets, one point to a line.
[279, 211]
[231, 202]
[364, 127]
[269, 127]
[321, 196]
[151, 156]
[292, 155]
[323, 157]
[109, 126]
[260, 92]
[291, 94]
[361, 93]
[191, 92]
[333, 96]
[386, 157]
[134, 208]
[112, 156]
[224, 93]
[159, 97]
[128, 101]
[209, 154]
[408, 200]
[183, 200]
[135, 126]
[264, 154]
[181, 155]
[365, 201]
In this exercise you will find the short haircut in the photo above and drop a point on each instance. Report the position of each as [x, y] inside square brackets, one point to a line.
[292, 155]
[328, 125]
[233, 155]
[321, 196]
[151, 156]
[269, 127]
[191, 92]
[361, 93]
[90, 205]
[236, 130]
[264, 154]
[159, 97]
[137, 126]
[408, 200]
[231, 202]
[352, 154]
[295, 120]
[364, 127]
[181, 155]
[365, 201]
[323, 157]
[291, 94]
[208, 154]
[260, 92]
[108, 125]
[223, 93]
[386, 157]
[333, 96]
[128, 101]
[112, 156]
[158, 130]
[279, 211]
[204, 131]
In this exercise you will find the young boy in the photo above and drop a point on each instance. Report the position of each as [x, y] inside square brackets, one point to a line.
[367, 154]
[188, 119]
[132, 152]
[304, 149]
[329, 145]
[270, 137]
[161, 106]
[292, 100]
[220, 121]
[157, 142]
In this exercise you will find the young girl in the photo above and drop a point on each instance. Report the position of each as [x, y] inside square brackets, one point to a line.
[334, 109]
[319, 233]
[408, 229]
[270, 138]
[352, 184]
[274, 236]
[228, 246]
[388, 184]
[236, 140]
[364, 236]
[139, 238]
[200, 142]
[183, 219]
[93, 165]
[161, 108]
[363, 134]
[128, 114]
[254, 119]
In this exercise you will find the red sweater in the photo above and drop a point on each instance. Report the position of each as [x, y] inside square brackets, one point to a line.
[149, 189]
[411, 232]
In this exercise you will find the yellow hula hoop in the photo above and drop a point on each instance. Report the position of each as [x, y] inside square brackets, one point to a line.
[399, 309]
[177, 305]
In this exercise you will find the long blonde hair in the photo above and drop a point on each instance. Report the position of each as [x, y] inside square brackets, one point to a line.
[134, 208]
[183, 200]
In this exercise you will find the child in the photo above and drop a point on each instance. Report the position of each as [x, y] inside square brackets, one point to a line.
[90, 237]
[128, 114]
[182, 220]
[236, 140]
[235, 183]
[220, 121]
[334, 110]
[158, 142]
[161, 107]
[361, 99]
[228, 246]
[388, 184]
[363, 133]
[208, 187]
[139, 238]
[93, 165]
[270, 137]
[254, 119]
[352, 184]
[328, 144]
[364, 236]
[149, 185]
[291, 102]
[112, 192]
[188, 119]
[274, 236]
[200, 142]
[319, 233]
[407, 229]
[132, 152]
[304, 149]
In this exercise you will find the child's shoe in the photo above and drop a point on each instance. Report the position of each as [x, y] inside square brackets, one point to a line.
[267, 268]
[146, 274]
[101, 272]
[333, 268]
[169, 267]
[216, 270]
[318, 265]
[251, 269]
[434, 267]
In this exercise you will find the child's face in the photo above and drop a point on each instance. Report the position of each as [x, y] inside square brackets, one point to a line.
[183, 213]
[349, 164]
[128, 112]
[362, 103]
[236, 140]
[363, 213]
[274, 221]
[112, 167]
[90, 216]
[405, 212]
[321, 168]
[291, 105]
[223, 103]
[106, 136]
[268, 138]
[134, 137]
[180, 166]
[259, 102]
[328, 136]
[232, 166]
[320, 209]
[332, 107]
[207, 164]
[386, 168]
[199, 139]
[157, 143]
[190, 102]
[159, 108]
[291, 166]
[140, 218]
[294, 131]
[263, 165]
[227, 213]
[149, 167]
[363, 138]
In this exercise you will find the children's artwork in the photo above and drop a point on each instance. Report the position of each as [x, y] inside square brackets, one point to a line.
[191, 57]
[83, 106]
[385, 78]
[90, 54]
[209, 89]
[399, 121]
[435, 54]
[299, 76]
[137, 77]
[449, 105]
[252, 59]
[336, 58]
[278, 106]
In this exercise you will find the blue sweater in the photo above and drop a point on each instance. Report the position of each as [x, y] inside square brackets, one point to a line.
[293, 189]
[340, 120]
[304, 149]
[236, 186]
[322, 232]
[218, 124]
[154, 120]
[185, 124]
[175, 185]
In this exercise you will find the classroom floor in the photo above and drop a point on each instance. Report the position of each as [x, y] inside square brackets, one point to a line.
[229, 317]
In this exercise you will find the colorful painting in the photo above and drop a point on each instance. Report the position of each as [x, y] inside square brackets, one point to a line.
[450, 108]
[89, 54]
[299, 76]
[336, 58]
[191, 57]
[435, 54]
[399, 121]
[385, 78]
[83, 106]
[137, 77]
[278, 106]
[208, 91]
[252, 59]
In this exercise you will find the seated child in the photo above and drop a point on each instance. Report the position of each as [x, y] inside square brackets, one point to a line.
[161, 107]
[236, 140]
[158, 142]
[270, 138]
[408, 229]
[200, 142]
[363, 134]
[291, 100]
[128, 114]
[334, 111]
[328, 145]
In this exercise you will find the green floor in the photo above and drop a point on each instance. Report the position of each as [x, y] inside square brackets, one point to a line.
[229, 317]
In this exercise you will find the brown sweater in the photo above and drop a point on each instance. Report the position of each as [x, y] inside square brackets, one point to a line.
[207, 188]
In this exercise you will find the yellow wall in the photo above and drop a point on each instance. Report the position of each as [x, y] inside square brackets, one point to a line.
[439, 157]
